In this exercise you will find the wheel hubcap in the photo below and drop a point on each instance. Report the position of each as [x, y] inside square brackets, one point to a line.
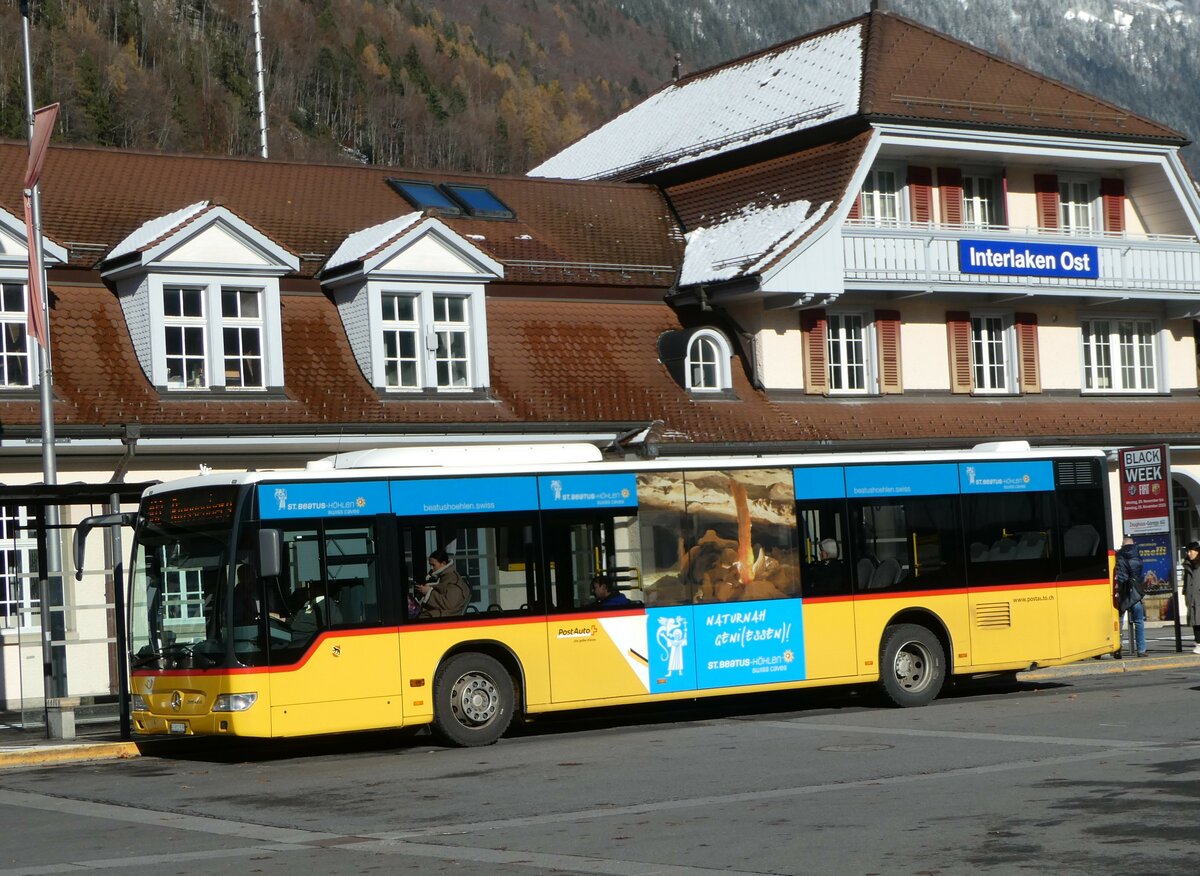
[912, 665]
[475, 700]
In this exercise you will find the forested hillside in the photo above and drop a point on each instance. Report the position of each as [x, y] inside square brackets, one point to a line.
[497, 85]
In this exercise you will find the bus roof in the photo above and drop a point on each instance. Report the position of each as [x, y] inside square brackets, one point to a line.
[476, 460]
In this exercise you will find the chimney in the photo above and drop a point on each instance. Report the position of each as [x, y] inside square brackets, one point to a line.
[879, 6]
[675, 69]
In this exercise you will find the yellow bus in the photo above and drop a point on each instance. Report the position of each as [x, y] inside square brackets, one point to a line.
[288, 603]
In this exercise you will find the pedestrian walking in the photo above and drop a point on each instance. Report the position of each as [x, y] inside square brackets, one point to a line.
[1191, 589]
[1129, 592]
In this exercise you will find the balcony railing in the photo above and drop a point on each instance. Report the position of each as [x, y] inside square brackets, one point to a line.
[924, 256]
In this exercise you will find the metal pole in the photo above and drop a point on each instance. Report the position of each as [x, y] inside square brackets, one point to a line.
[258, 70]
[52, 574]
[121, 621]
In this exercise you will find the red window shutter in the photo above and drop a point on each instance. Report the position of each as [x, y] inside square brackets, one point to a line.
[920, 193]
[887, 334]
[856, 208]
[950, 194]
[814, 326]
[1113, 193]
[958, 333]
[1045, 185]
[1027, 352]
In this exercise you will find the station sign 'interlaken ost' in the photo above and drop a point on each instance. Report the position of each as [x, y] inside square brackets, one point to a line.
[1013, 259]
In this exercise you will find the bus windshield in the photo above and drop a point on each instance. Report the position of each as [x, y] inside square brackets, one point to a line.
[180, 564]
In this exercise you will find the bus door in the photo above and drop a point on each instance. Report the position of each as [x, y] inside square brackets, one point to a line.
[1013, 558]
[1085, 597]
[826, 567]
[597, 651]
[335, 666]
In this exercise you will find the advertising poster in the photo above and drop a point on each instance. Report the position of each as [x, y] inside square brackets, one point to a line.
[1157, 562]
[1144, 490]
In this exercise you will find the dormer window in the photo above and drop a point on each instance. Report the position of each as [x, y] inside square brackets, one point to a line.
[411, 296]
[707, 366]
[442, 363]
[200, 291]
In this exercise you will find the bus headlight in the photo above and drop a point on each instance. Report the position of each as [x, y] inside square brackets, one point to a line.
[238, 702]
[137, 703]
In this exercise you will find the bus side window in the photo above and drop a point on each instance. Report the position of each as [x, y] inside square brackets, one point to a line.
[825, 551]
[911, 543]
[495, 554]
[582, 544]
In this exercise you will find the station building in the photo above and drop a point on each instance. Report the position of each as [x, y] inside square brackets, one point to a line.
[870, 237]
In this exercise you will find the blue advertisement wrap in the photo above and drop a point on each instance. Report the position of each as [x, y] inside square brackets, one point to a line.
[729, 644]
[588, 491]
[1006, 477]
[826, 482]
[323, 499]
[464, 496]
[1013, 259]
[670, 637]
[749, 643]
[884, 481]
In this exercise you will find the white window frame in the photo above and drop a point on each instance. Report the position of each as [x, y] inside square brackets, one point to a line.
[698, 365]
[451, 348]
[433, 332]
[16, 323]
[391, 325]
[974, 203]
[1105, 346]
[1079, 210]
[997, 340]
[214, 323]
[185, 326]
[837, 341]
[22, 611]
[235, 363]
[875, 199]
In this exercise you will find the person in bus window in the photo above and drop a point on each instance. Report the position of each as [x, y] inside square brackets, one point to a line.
[446, 593]
[828, 574]
[606, 593]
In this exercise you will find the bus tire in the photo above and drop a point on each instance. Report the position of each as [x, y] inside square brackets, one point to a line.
[473, 700]
[912, 665]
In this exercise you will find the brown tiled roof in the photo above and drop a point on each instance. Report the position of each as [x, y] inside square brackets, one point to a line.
[93, 198]
[914, 73]
[555, 365]
[817, 175]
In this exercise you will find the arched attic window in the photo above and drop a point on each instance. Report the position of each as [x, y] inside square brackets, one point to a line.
[707, 364]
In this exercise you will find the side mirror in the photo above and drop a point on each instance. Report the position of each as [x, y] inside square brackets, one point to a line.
[83, 527]
[269, 553]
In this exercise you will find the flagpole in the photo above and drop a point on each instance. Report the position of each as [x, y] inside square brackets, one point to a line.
[54, 670]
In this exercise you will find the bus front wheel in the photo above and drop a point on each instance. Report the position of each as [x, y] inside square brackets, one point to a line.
[473, 700]
[912, 665]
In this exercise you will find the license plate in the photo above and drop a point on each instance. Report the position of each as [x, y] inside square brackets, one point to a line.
[178, 727]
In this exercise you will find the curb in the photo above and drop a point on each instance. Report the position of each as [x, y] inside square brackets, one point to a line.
[1108, 667]
[40, 755]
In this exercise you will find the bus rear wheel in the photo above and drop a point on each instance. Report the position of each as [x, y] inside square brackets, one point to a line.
[912, 665]
[473, 700]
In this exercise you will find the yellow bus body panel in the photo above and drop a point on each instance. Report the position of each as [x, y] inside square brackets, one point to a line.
[373, 679]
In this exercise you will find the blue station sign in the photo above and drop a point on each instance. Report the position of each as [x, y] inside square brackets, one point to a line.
[1013, 259]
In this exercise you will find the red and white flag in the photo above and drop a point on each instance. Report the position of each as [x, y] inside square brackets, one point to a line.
[43, 126]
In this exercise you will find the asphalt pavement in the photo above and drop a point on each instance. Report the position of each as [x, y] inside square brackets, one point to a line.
[100, 740]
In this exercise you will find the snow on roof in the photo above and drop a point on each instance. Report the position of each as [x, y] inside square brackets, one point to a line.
[791, 88]
[734, 245]
[362, 243]
[146, 234]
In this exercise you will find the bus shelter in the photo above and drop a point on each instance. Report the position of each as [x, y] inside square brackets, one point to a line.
[62, 637]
